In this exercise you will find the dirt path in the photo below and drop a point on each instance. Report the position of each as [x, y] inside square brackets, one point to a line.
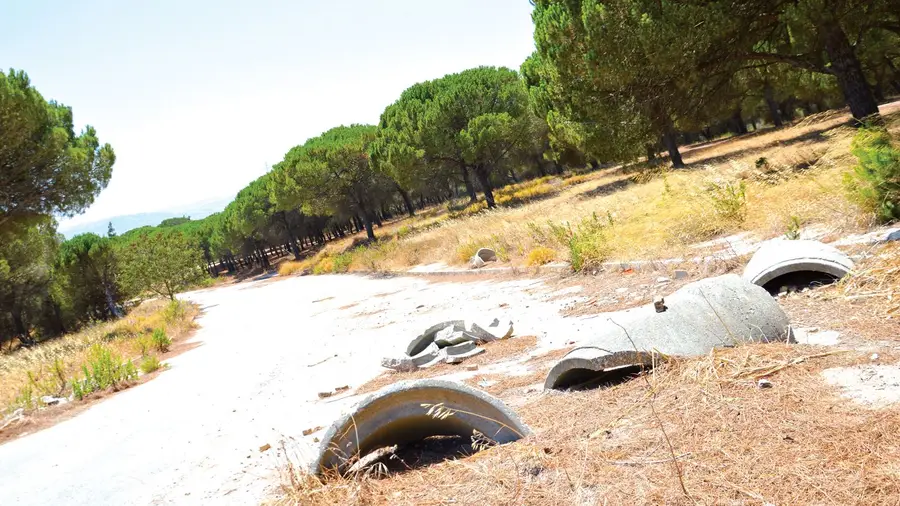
[193, 435]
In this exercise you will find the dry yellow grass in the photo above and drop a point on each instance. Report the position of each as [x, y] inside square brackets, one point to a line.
[126, 337]
[733, 443]
[756, 183]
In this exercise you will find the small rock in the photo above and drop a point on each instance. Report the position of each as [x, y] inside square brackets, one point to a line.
[663, 280]
[764, 383]
[874, 357]
[473, 367]
[316, 440]
[325, 395]
[265, 447]
[659, 304]
[341, 389]
[680, 274]
[309, 431]
[50, 400]
[893, 236]
[812, 329]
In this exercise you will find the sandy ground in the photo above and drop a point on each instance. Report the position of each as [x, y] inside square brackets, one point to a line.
[193, 435]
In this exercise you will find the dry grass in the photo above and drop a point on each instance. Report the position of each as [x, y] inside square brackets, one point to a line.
[796, 443]
[790, 175]
[33, 372]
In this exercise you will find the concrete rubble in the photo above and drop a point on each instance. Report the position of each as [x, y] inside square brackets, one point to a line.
[410, 411]
[449, 342]
[720, 311]
[784, 265]
[481, 257]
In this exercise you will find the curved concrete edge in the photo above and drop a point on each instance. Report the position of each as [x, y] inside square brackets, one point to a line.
[421, 342]
[778, 257]
[712, 312]
[591, 364]
[399, 414]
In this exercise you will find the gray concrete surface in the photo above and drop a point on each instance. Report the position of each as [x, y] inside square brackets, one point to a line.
[192, 435]
[720, 311]
[399, 414]
[780, 257]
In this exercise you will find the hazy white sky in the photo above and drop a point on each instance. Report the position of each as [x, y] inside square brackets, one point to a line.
[198, 97]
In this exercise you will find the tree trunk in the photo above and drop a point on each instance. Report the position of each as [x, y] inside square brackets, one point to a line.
[738, 119]
[558, 167]
[19, 326]
[769, 95]
[484, 178]
[671, 140]
[367, 219]
[846, 68]
[512, 174]
[470, 189]
[110, 301]
[539, 163]
[406, 201]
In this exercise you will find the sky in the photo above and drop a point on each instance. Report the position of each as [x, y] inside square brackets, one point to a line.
[200, 97]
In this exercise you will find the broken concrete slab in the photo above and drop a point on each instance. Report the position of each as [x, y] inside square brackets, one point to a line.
[476, 263]
[486, 254]
[781, 262]
[458, 359]
[591, 366]
[720, 311]
[455, 337]
[428, 355]
[421, 342]
[399, 364]
[410, 411]
[460, 349]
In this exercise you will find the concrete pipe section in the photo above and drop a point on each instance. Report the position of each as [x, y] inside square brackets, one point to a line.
[398, 414]
[788, 264]
[720, 311]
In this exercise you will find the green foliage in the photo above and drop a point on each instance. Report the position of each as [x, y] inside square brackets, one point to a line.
[174, 311]
[47, 169]
[174, 222]
[729, 200]
[150, 364]
[875, 181]
[104, 369]
[341, 263]
[588, 244]
[793, 229]
[163, 263]
[160, 341]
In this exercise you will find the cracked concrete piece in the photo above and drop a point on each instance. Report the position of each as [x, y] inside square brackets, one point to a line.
[428, 355]
[779, 257]
[457, 359]
[486, 254]
[421, 342]
[591, 365]
[453, 338]
[476, 262]
[398, 414]
[720, 311]
[401, 364]
[460, 349]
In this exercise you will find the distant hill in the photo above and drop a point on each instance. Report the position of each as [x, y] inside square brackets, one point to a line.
[128, 222]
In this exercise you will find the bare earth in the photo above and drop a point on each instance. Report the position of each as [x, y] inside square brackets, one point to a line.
[193, 435]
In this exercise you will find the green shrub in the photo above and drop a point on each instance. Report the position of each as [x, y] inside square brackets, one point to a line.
[174, 311]
[341, 263]
[793, 229]
[540, 256]
[874, 183]
[150, 364]
[104, 369]
[160, 340]
[588, 245]
[729, 200]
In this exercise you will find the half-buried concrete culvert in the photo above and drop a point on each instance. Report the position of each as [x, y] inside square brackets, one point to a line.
[781, 265]
[714, 312]
[409, 412]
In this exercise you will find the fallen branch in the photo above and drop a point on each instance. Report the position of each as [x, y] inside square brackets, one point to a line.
[761, 372]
